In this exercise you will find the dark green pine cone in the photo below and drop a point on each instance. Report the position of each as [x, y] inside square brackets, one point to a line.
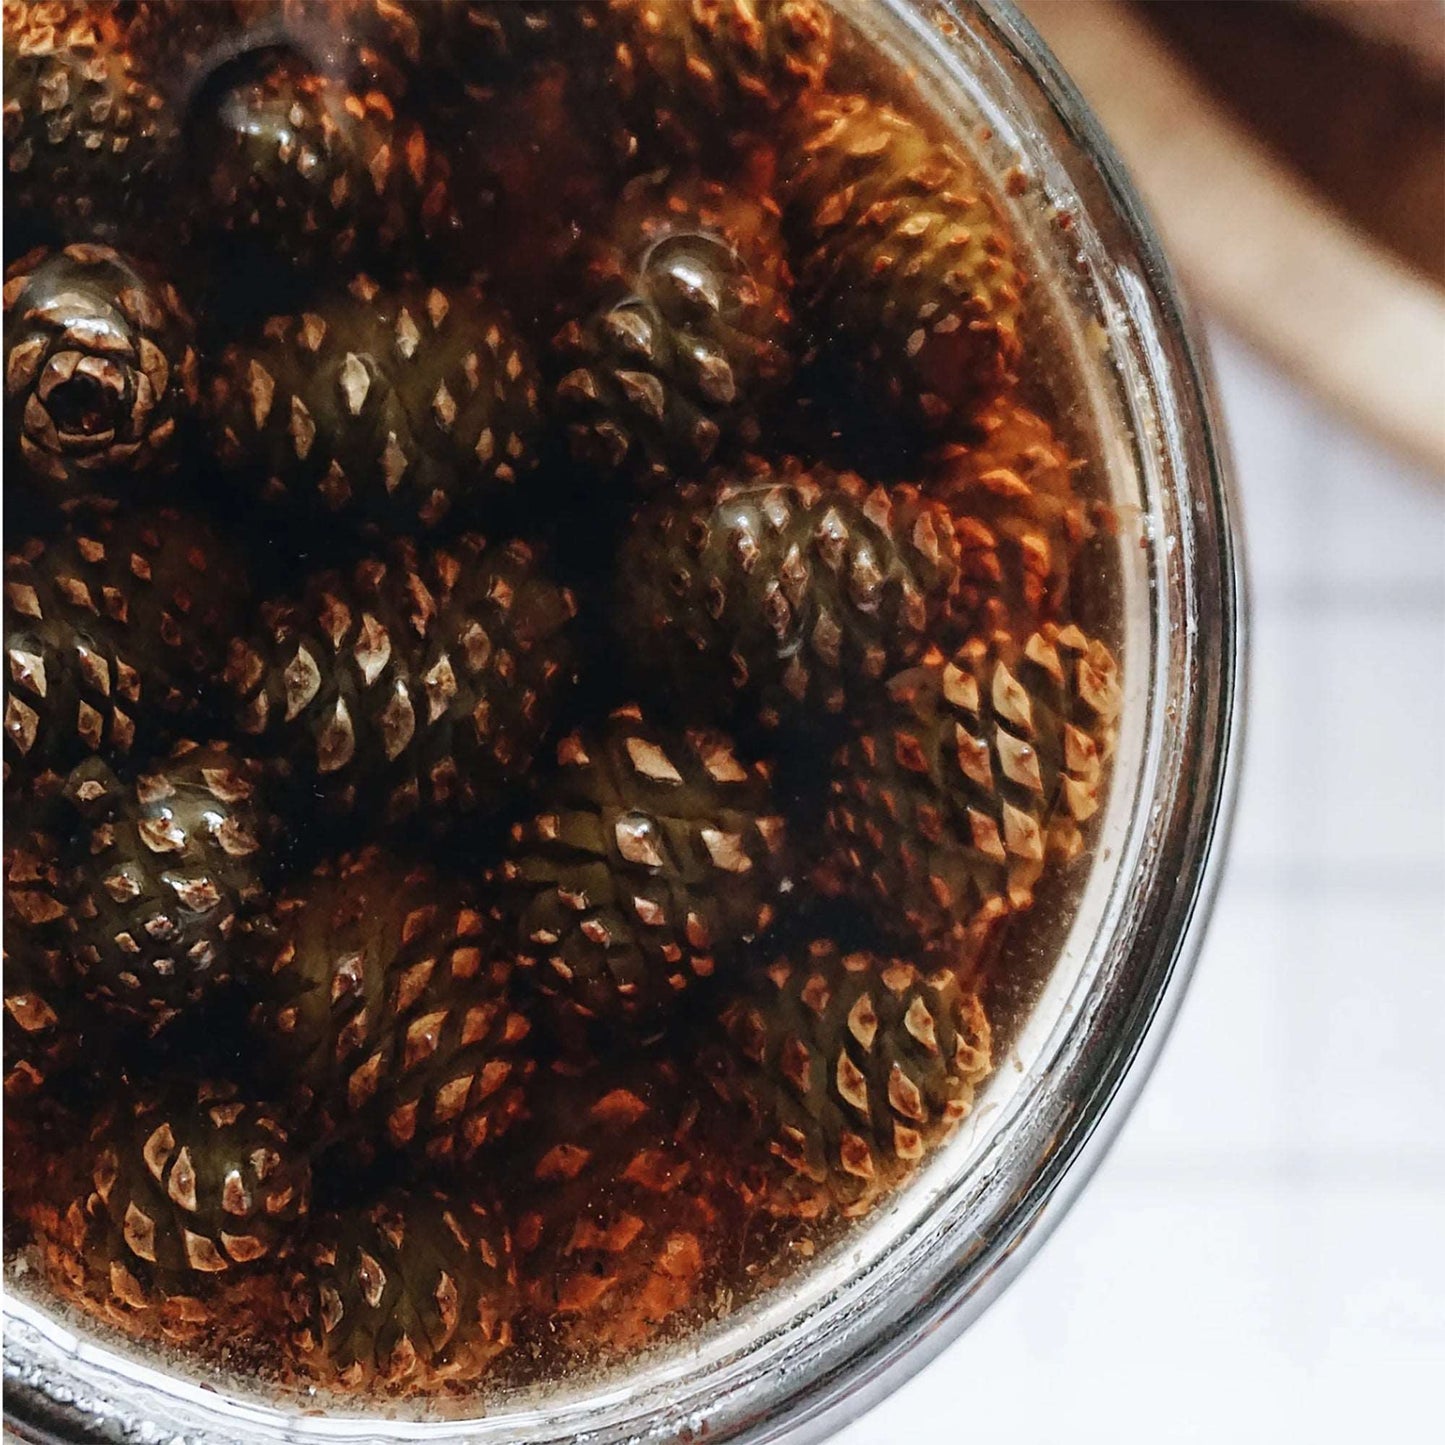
[849, 1068]
[797, 591]
[167, 1219]
[619, 1227]
[163, 877]
[318, 173]
[89, 141]
[385, 1008]
[385, 409]
[411, 1294]
[414, 687]
[981, 772]
[652, 857]
[43, 1020]
[908, 273]
[100, 372]
[112, 635]
[691, 78]
[690, 334]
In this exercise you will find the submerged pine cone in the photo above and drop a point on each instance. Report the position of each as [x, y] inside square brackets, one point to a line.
[315, 171]
[89, 140]
[690, 335]
[652, 858]
[468, 47]
[168, 1217]
[696, 77]
[798, 590]
[618, 1227]
[181, 42]
[385, 1008]
[908, 272]
[452, 58]
[410, 1294]
[112, 634]
[43, 1017]
[100, 371]
[415, 686]
[983, 770]
[385, 409]
[1020, 521]
[849, 1069]
[163, 879]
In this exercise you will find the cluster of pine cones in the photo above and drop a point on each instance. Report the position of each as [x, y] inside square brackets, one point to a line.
[496, 804]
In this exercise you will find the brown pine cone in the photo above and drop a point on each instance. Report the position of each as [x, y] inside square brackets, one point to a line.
[980, 773]
[319, 173]
[1020, 519]
[388, 410]
[414, 1293]
[690, 335]
[100, 373]
[693, 79]
[165, 1221]
[848, 1068]
[90, 141]
[619, 1228]
[908, 273]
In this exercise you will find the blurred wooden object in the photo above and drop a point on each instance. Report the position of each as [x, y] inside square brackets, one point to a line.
[1345, 95]
[1414, 27]
[1257, 242]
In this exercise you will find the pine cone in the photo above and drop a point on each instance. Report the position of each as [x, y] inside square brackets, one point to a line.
[385, 1005]
[384, 409]
[166, 1220]
[414, 687]
[181, 43]
[690, 335]
[618, 1227]
[467, 46]
[797, 590]
[696, 78]
[1020, 521]
[411, 1294]
[319, 173]
[112, 633]
[164, 878]
[984, 771]
[453, 59]
[653, 856]
[100, 371]
[89, 141]
[908, 270]
[849, 1067]
[43, 1020]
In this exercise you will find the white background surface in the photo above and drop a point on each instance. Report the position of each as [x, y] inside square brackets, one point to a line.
[1262, 1256]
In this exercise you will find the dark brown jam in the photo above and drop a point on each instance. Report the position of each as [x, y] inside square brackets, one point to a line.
[558, 677]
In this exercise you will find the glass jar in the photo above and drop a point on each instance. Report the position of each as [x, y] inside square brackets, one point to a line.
[869, 1310]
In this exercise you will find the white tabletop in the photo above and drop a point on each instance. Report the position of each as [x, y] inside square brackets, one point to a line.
[1262, 1257]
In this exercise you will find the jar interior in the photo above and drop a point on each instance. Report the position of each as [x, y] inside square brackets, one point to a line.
[1060, 981]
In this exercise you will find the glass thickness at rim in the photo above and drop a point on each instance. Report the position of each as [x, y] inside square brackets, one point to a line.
[801, 1361]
